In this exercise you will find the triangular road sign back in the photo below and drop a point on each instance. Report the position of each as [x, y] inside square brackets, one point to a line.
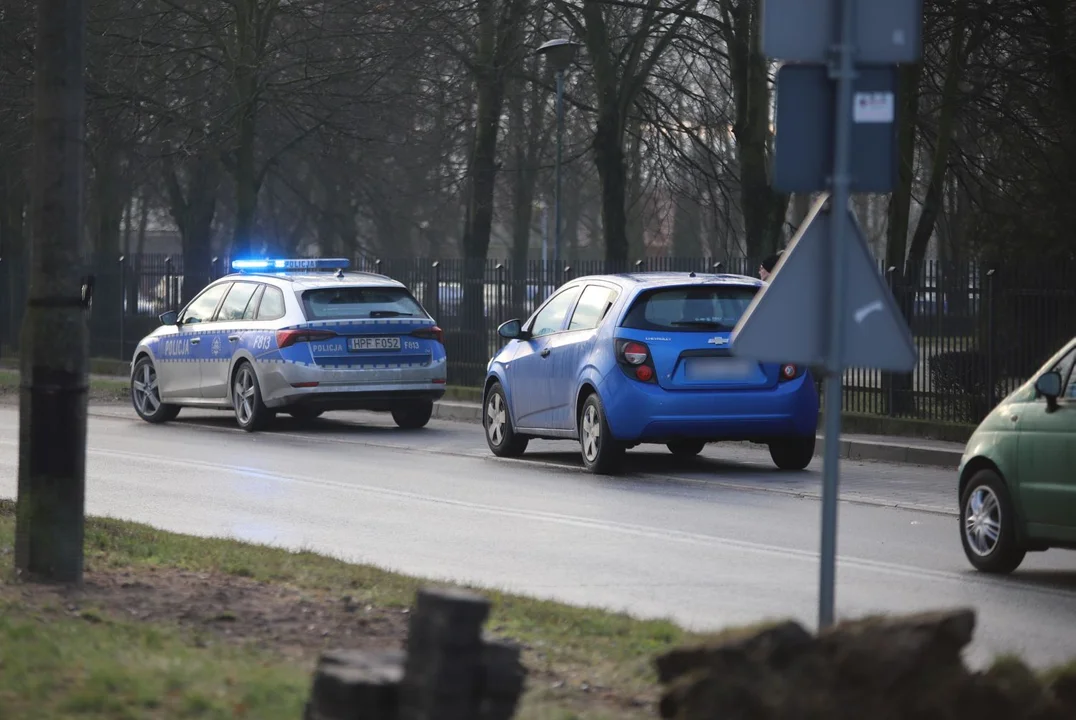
[789, 321]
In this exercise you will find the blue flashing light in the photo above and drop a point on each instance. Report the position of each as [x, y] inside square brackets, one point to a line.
[285, 264]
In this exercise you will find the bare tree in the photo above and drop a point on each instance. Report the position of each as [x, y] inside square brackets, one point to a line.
[621, 69]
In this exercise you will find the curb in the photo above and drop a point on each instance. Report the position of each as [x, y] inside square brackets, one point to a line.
[849, 449]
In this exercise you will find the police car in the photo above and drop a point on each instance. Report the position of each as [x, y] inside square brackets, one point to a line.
[299, 336]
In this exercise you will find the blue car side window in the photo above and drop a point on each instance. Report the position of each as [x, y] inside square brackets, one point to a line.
[551, 317]
[592, 307]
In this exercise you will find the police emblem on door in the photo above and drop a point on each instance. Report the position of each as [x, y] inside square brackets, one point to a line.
[216, 346]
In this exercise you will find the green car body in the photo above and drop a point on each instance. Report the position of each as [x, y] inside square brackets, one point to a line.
[1017, 477]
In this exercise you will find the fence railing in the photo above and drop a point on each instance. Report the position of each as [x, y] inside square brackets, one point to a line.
[980, 331]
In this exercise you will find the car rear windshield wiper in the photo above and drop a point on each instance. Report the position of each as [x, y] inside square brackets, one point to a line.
[389, 313]
[701, 323]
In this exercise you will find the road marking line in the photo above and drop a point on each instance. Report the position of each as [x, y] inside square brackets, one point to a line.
[692, 538]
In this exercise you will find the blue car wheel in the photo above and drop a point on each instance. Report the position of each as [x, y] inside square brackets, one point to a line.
[497, 422]
[602, 453]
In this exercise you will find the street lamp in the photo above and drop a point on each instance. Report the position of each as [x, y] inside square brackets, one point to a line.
[559, 55]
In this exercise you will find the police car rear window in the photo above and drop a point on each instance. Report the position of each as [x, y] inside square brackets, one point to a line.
[356, 303]
[697, 308]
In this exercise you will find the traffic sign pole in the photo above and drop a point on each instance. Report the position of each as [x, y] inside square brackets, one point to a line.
[843, 73]
[841, 86]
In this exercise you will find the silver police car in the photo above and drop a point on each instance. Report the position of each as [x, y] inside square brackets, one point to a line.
[297, 336]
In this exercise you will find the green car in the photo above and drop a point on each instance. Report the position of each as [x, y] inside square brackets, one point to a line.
[1018, 474]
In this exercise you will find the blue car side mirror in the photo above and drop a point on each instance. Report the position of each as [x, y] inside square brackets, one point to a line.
[511, 330]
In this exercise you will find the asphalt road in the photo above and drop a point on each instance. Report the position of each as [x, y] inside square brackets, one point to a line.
[725, 540]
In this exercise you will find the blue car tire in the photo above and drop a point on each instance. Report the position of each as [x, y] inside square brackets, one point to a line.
[497, 422]
[686, 448]
[602, 453]
[793, 453]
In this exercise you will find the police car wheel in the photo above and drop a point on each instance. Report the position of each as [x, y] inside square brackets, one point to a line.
[602, 453]
[792, 453]
[250, 412]
[146, 394]
[413, 415]
[497, 422]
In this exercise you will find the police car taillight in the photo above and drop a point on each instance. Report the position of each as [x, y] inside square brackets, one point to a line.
[286, 338]
[430, 333]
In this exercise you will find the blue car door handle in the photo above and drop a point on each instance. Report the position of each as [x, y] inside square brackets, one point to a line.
[233, 338]
[544, 353]
[195, 341]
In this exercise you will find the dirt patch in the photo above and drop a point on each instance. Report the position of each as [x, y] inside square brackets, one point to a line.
[283, 621]
[224, 608]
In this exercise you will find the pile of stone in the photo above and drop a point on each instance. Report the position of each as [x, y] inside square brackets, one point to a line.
[891, 668]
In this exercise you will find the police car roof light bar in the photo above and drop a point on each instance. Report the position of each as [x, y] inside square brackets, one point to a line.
[285, 264]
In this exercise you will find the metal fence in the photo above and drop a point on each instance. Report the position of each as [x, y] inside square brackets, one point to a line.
[980, 331]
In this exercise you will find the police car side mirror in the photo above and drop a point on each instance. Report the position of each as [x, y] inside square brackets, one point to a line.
[511, 330]
[169, 318]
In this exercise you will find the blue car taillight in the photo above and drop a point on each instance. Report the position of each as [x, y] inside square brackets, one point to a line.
[635, 360]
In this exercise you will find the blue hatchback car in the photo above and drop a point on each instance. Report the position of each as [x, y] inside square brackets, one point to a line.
[615, 361]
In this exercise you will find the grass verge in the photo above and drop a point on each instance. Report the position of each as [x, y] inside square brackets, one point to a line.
[101, 389]
[169, 625]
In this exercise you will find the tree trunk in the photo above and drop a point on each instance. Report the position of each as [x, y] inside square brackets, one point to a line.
[50, 520]
[490, 84]
[573, 210]
[109, 193]
[685, 234]
[900, 202]
[763, 208]
[14, 253]
[523, 185]
[636, 198]
[932, 202]
[134, 286]
[246, 183]
[609, 159]
[193, 210]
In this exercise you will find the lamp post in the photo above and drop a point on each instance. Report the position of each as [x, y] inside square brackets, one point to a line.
[559, 54]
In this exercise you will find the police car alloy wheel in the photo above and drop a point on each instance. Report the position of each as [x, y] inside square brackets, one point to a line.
[146, 394]
[250, 411]
[500, 436]
[602, 454]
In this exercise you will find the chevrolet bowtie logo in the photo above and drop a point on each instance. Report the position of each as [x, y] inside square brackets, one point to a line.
[718, 341]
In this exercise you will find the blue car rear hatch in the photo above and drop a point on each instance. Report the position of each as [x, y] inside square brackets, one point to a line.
[686, 330]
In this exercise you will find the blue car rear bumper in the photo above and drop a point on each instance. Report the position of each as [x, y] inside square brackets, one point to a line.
[645, 412]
